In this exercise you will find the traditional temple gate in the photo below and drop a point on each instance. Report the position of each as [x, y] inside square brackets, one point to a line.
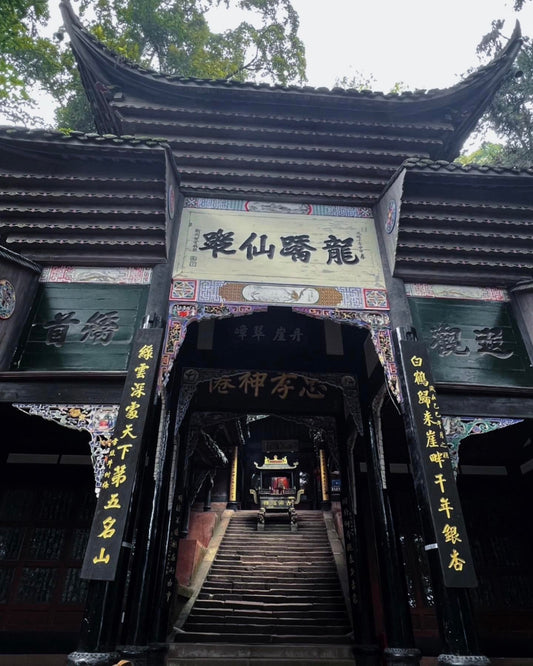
[317, 214]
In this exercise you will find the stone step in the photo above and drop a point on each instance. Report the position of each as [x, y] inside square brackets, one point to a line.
[287, 564]
[310, 615]
[272, 652]
[211, 591]
[294, 566]
[251, 628]
[260, 638]
[273, 607]
[218, 661]
[268, 577]
[266, 549]
[243, 619]
[298, 560]
[263, 595]
[259, 585]
[270, 587]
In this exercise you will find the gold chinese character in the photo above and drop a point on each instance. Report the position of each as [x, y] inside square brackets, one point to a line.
[423, 398]
[112, 453]
[119, 475]
[146, 352]
[132, 410]
[105, 485]
[125, 448]
[109, 463]
[431, 439]
[416, 361]
[438, 457]
[253, 381]
[446, 506]
[440, 481]
[428, 420]
[282, 384]
[420, 378]
[109, 443]
[113, 502]
[451, 534]
[455, 561]
[127, 432]
[221, 385]
[102, 557]
[137, 390]
[108, 530]
[313, 388]
[140, 370]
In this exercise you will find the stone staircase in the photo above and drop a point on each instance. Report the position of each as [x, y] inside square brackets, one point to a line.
[270, 597]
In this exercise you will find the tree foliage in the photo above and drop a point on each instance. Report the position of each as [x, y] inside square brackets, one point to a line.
[488, 154]
[26, 58]
[510, 115]
[171, 36]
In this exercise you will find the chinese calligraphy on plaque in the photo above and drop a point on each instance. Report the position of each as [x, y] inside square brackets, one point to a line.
[433, 457]
[121, 464]
[274, 248]
[83, 327]
[472, 342]
[261, 384]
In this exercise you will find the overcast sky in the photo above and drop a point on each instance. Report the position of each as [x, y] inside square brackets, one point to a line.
[422, 43]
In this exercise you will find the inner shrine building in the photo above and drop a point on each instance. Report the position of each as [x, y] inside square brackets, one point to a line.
[274, 307]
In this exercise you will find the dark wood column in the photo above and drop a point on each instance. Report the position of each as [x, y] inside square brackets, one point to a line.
[457, 631]
[366, 645]
[400, 648]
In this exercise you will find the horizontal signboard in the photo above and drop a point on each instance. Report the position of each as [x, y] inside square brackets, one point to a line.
[273, 248]
[472, 342]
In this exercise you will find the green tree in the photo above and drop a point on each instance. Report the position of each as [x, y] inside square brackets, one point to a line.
[488, 154]
[173, 36]
[510, 115]
[25, 57]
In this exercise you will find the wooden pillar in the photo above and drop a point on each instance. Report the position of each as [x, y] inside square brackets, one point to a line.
[366, 646]
[400, 648]
[209, 483]
[233, 504]
[109, 589]
[324, 481]
[451, 598]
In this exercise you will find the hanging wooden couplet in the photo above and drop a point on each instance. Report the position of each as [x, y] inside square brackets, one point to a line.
[433, 469]
[105, 539]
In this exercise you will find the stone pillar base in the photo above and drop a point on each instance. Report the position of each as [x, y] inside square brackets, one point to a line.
[402, 656]
[92, 658]
[234, 506]
[462, 660]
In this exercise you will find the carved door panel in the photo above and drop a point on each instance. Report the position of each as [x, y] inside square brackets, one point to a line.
[45, 516]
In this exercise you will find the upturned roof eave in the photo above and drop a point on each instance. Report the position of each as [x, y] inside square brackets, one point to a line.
[468, 98]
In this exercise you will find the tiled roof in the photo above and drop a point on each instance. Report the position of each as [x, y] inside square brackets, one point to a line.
[456, 167]
[259, 141]
[468, 224]
[77, 198]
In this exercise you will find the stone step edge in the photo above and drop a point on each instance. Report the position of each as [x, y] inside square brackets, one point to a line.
[282, 650]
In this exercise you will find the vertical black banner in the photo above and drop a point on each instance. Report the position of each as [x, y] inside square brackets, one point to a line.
[434, 465]
[105, 539]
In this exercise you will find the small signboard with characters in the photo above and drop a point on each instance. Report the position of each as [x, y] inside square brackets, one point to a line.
[83, 327]
[472, 342]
